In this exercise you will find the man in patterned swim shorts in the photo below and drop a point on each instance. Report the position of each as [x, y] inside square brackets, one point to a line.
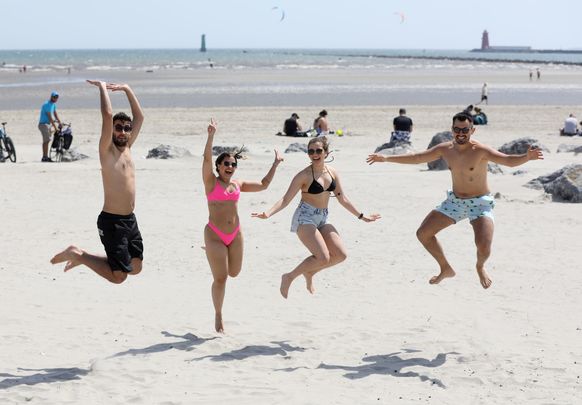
[470, 196]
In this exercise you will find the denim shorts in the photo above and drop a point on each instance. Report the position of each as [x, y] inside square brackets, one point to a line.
[460, 208]
[306, 214]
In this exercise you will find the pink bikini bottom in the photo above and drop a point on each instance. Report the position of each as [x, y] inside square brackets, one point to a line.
[226, 238]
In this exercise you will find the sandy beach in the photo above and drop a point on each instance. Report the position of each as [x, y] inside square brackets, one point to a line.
[375, 331]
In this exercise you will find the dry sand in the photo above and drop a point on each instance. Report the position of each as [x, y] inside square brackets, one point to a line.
[374, 332]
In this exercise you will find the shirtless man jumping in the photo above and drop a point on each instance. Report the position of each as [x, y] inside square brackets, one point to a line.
[116, 224]
[470, 197]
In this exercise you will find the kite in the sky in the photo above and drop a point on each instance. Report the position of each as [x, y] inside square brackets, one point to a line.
[282, 12]
[402, 16]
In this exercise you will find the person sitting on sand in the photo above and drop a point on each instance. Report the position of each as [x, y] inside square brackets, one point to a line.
[402, 126]
[222, 235]
[320, 124]
[292, 127]
[570, 126]
[316, 183]
[470, 196]
[117, 224]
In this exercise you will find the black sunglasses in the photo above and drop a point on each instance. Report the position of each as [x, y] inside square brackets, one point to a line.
[319, 151]
[458, 130]
[125, 128]
[230, 164]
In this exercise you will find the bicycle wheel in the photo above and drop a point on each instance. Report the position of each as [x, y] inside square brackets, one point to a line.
[60, 149]
[9, 146]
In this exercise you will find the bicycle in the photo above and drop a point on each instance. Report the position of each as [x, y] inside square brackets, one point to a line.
[62, 140]
[7, 149]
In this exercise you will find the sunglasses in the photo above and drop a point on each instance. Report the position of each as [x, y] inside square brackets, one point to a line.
[124, 128]
[319, 151]
[465, 131]
[234, 165]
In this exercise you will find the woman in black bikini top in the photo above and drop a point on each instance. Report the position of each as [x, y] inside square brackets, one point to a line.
[310, 218]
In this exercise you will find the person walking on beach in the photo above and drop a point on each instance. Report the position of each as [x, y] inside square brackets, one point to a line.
[222, 235]
[485, 94]
[320, 124]
[316, 183]
[402, 126]
[470, 196]
[48, 118]
[538, 73]
[117, 224]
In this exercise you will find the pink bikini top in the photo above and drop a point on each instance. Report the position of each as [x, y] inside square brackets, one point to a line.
[221, 194]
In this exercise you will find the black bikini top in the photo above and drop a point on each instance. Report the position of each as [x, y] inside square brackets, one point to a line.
[316, 188]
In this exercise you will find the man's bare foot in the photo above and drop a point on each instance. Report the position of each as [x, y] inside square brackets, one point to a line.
[445, 273]
[71, 255]
[309, 283]
[286, 281]
[218, 323]
[484, 278]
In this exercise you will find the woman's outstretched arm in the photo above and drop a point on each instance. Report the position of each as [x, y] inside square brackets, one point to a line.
[253, 186]
[293, 189]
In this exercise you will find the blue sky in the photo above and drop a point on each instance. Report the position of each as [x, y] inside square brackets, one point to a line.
[428, 24]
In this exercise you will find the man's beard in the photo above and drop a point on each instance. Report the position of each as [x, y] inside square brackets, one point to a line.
[118, 142]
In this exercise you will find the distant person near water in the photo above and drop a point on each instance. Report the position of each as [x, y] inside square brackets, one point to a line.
[116, 224]
[470, 195]
[538, 73]
[530, 75]
[570, 126]
[316, 182]
[48, 118]
[402, 127]
[320, 124]
[485, 94]
[223, 238]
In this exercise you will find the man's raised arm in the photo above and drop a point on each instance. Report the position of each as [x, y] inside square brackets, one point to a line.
[105, 141]
[425, 156]
[136, 111]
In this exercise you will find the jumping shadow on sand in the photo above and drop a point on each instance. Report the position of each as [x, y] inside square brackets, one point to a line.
[52, 375]
[391, 364]
[186, 344]
[280, 349]
[43, 375]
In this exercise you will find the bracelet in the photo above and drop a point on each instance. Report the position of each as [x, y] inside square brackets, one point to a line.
[361, 215]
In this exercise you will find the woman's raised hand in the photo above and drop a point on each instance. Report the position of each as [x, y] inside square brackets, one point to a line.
[212, 127]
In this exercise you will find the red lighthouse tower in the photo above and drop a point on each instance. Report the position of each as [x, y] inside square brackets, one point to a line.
[485, 40]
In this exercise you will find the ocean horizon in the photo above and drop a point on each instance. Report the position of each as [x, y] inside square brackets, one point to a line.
[249, 58]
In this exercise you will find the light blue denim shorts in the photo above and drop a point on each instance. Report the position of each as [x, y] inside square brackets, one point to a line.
[306, 214]
[460, 208]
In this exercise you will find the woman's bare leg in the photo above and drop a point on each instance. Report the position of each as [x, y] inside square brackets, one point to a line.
[310, 236]
[217, 255]
[337, 253]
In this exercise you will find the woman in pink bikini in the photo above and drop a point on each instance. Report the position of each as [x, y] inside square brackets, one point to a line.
[222, 234]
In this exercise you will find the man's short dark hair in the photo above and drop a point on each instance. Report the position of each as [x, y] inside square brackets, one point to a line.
[463, 116]
[322, 113]
[402, 111]
[121, 116]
